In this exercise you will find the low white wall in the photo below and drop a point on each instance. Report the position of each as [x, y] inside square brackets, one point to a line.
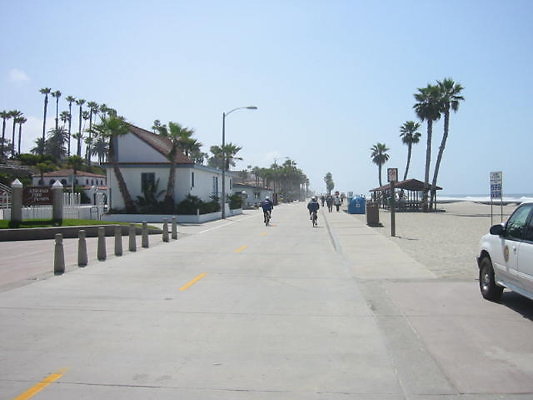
[159, 218]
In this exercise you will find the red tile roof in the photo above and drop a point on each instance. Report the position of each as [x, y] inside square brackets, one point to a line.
[159, 143]
[69, 172]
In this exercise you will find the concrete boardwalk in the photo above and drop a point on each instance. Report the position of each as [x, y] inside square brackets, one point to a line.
[237, 310]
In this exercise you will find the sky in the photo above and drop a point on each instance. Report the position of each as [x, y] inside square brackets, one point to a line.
[330, 78]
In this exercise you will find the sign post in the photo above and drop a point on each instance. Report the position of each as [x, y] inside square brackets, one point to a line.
[496, 179]
[392, 175]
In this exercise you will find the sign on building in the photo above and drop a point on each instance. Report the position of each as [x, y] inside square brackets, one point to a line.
[37, 196]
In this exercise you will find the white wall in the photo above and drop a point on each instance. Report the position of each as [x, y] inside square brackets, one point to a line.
[132, 149]
[203, 182]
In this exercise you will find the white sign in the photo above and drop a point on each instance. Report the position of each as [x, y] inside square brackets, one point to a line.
[496, 185]
[392, 174]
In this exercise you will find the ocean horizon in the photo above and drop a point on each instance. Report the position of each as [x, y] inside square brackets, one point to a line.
[485, 198]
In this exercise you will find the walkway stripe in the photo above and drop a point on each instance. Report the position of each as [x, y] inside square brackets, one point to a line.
[188, 285]
[28, 394]
[241, 249]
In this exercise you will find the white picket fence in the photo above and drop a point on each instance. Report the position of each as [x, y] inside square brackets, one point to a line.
[72, 209]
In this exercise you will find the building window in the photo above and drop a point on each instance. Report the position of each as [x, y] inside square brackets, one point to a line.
[52, 181]
[64, 182]
[147, 180]
[192, 179]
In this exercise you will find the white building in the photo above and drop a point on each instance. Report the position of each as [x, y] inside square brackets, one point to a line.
[89, 182]
[142, 158]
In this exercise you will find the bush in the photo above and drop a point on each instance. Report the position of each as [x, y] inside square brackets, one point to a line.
[191, 204]
[235, 201]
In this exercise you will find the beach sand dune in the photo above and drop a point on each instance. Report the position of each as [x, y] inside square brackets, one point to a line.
[445, 242]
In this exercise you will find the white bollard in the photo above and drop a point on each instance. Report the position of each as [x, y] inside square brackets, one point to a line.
[59, 255]
[82, 249]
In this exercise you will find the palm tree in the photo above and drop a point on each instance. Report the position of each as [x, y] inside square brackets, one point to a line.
[75, 162]
[428, 108]
[176, 134]
[5, 115]
[80, 102]
[450, 96]
[93, 109]
[228, 152]
[55, 144]
[410, 135]
[57, 95]
[70, 100]
[64, 117]
[15, 114]
[45, 91]
[21, 120]
[111, 127]
[330, 185]
[100, 149]
[379, 157]
[39, 146]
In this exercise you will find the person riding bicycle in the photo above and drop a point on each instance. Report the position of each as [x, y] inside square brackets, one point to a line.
[312, 206]
[267, 207]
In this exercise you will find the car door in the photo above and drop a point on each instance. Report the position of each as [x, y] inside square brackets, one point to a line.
[511, 241]
[525, 258]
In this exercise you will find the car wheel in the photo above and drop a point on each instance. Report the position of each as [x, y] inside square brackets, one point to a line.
[489, 289]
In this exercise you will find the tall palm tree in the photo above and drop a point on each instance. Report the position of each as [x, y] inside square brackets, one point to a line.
[379, 157]
[428, 108]
[39, 146]
[5, 115]
[21, 120]
[330, 185]
[80, 102]
[176, 133]
[111, 127]
[450, 96]
[57, 95]
[46, 92]
[93, 110]
[55, 144]
[410, 135]
[15, 114]
[70, 100]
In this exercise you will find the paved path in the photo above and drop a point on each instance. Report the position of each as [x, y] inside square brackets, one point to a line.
[237, 310]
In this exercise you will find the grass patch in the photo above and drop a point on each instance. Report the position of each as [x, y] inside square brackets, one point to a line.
[36, 223]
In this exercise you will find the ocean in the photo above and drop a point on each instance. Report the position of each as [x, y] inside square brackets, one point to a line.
[516, 198]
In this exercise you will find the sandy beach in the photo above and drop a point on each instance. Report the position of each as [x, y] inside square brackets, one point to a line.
[445, 242]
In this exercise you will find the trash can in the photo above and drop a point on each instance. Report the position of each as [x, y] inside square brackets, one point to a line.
[357, 206]
[372, 214]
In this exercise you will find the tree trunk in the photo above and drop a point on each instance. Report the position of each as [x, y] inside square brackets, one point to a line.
[44, 122]
[128, 202]
[20, 135]
[78, 150]
[13, 138]
[3, 138]
[428, 162]
[69, 126]
[379, 172]
[409, 148]
[439, 157]
[169, 196]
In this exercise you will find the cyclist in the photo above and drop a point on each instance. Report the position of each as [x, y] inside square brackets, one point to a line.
[313, 207]
[267, 207]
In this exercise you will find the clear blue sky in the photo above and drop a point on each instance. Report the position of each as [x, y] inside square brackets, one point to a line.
[330, 78]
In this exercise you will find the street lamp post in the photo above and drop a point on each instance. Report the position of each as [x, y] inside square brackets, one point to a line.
[224, 114]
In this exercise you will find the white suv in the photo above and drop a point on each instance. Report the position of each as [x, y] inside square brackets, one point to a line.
[506, 256]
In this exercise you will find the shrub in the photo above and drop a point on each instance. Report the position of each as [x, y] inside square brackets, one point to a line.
[235, 201]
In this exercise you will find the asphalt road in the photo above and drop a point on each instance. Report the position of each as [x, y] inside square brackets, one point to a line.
[237, 310]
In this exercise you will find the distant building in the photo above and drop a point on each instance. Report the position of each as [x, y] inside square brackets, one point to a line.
[252, 195]
[88, 182]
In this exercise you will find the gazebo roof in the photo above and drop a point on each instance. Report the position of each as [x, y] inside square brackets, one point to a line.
[410, 184]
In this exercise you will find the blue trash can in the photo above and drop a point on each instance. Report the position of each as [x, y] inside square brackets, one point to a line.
[357, 206]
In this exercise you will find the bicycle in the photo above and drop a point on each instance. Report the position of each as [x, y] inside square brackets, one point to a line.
[267, 218]
[314, 218]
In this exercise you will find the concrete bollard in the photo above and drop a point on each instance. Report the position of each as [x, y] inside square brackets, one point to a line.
[59, 255]
[118, 240]
[165, 230]
[174, 228]
[145, 242]
[133, 243]
[82, 249]
[101, 253]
